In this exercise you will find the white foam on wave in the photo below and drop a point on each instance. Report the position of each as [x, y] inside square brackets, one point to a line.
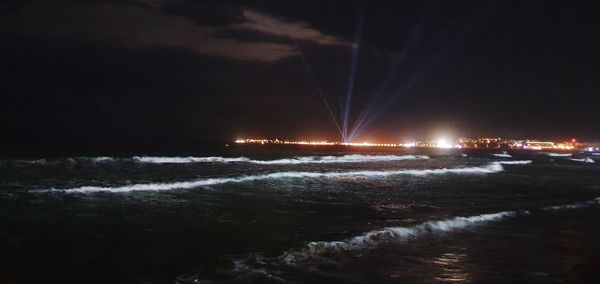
[69, 160]
[503, 155]
[214, 159]
[584, 160]
[102, 159]
[38, 161]
[573, 206]
[342, 159]
[493, 167]
[187, 160]
[558, 154]
[288, 161]
[389, 234]
[523, 162]
[393, 234]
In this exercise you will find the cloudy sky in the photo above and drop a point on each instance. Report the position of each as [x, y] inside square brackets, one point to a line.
[154, 75]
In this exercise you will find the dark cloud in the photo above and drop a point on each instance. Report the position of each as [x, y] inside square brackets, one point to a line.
[144, 25]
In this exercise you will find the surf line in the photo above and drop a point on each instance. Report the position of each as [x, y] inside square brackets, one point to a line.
[493, 167]
[393, 234]
[287, 161]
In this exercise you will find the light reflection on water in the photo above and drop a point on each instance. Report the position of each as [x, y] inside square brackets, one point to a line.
[452, 267]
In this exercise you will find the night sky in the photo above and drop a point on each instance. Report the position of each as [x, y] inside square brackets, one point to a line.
[161, 76]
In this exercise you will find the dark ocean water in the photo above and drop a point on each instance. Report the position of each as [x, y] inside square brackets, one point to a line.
[302, 215]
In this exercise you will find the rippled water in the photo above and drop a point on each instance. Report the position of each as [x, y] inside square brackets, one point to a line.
[302, 215]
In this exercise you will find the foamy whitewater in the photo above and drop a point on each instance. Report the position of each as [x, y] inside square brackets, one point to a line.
[353, 158]
[187, 160]
[503, 155]
[398, 233]
[375, 238]
[394, 234]
[492, 167]
[574, 205]
[584, 160]
[558, 154]
[290, 161]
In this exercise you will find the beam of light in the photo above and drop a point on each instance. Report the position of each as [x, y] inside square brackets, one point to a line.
[389, 101]
[409, 45]
[372, 103]
[405, 85]
[353, 71]
[319, 89]
[384, 101]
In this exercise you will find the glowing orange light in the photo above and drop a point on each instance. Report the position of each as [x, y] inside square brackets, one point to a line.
[440, 143]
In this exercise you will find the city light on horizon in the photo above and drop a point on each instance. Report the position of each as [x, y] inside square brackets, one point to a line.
[441, 143]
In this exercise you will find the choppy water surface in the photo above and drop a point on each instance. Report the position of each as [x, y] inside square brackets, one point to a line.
[302, 215]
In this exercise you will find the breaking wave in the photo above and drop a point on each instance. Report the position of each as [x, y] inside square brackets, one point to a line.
[503, 155]
[393, 234]
[524, 162]
[573, 206]
[187, 160]
[102, 159]
[584, 160]
[214, 159]
[73, 160]
[295, 160]
[558, 154]
[38, 161]
[493, 167]
[374, 238]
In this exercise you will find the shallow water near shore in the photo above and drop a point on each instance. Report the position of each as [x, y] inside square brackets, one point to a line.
[302, 215]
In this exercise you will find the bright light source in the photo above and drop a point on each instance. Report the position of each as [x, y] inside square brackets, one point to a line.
[443, 143]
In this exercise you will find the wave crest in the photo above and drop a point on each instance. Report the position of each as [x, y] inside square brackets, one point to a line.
[393, 234]
[557, 154]
[584, 160]
[493, 167]
[187, 160]
[296, 160]
[503, 155]
[374, 238]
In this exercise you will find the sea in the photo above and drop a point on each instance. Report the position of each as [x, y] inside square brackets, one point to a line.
[300, 214]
